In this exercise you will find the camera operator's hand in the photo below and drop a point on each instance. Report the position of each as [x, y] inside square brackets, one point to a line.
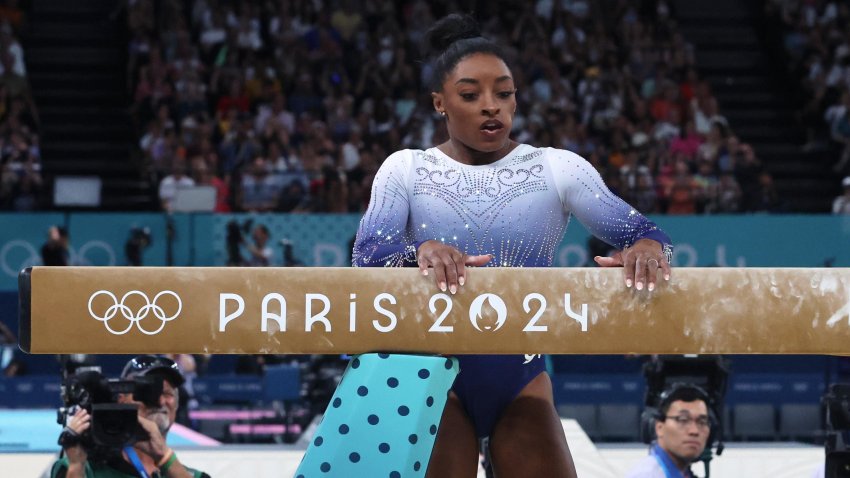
[158, 450]
[76, 454]
[155, 446]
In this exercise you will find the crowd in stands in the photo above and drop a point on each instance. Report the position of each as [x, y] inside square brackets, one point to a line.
[21, 182]
[291, 106]
[816, 37]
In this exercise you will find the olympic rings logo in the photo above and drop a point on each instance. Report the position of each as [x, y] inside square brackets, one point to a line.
[134, 317]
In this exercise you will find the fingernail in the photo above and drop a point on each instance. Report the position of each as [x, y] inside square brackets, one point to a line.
[443, 286]
[651, 287]
[639, 285]
[453, 289]
[628, 282]
[462, 281]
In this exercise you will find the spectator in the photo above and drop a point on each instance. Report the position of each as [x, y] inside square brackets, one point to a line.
[235, 99]
[714, 141]
[276, 115]
[688, 141]
[705, 181]
[766, 198]
[841, 204]
[13, 14]
[294, 198]
[747, 171]
[15, 83]
[170, 184]
[311, 90]
[840, 131]
[239, 146]
[8, 43]
[203, 176]
[681, 193]
[643, 196]
[728, 198]
[259, 190]
[260, 253]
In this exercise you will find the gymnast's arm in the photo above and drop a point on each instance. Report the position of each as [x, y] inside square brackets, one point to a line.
[383, 238]
[606, 216]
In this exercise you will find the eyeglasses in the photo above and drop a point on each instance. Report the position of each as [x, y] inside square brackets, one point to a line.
[685, 420]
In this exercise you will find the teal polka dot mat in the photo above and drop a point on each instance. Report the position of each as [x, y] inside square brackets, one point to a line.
[383, 418]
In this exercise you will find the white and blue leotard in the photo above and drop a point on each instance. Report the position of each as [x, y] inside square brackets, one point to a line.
[516, 209]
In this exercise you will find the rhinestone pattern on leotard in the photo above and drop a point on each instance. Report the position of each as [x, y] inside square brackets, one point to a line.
[517, 208]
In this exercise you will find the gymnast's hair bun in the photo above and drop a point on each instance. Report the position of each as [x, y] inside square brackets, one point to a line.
[448, 30]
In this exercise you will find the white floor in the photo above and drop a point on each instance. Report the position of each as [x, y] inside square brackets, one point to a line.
[768, 460]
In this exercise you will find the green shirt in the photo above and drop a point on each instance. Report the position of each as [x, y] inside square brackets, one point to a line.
[114, 469]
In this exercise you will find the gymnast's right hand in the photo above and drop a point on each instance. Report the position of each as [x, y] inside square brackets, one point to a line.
[449, 264]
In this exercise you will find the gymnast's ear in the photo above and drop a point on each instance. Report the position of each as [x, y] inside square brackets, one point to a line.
[437, 99]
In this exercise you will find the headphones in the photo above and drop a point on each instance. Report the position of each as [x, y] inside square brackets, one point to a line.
[674, 392]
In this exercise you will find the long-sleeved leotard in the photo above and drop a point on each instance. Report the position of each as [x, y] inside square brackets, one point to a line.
[516, 209]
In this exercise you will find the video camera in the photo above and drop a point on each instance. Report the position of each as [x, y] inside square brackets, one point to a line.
[139, 240]
[113, 425]
[836, 404]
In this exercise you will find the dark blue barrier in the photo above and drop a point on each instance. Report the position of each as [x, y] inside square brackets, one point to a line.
[771, 388]
[281, 382]
[284, 383]
[598, 388]
[30, 392]
[229, 388]
[776, 389]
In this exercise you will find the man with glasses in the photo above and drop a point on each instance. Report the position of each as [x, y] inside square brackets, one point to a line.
[682, 428]
[151, 458]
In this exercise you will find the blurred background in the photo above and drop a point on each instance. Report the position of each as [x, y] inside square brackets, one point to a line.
[247, 133]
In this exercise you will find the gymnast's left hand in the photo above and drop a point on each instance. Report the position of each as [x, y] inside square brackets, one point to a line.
[641, 263]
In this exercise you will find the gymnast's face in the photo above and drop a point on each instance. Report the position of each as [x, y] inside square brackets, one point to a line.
[479, 101]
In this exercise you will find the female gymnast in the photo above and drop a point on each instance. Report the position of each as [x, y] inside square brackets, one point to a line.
[482, 199]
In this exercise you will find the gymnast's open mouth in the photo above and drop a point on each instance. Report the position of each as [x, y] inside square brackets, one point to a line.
[492, 125]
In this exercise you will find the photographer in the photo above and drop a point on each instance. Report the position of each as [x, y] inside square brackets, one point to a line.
[146, 458]
[261, 252]
[54, 252]
[682, 428]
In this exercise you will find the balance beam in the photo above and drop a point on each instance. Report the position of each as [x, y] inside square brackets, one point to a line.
[126, 310]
